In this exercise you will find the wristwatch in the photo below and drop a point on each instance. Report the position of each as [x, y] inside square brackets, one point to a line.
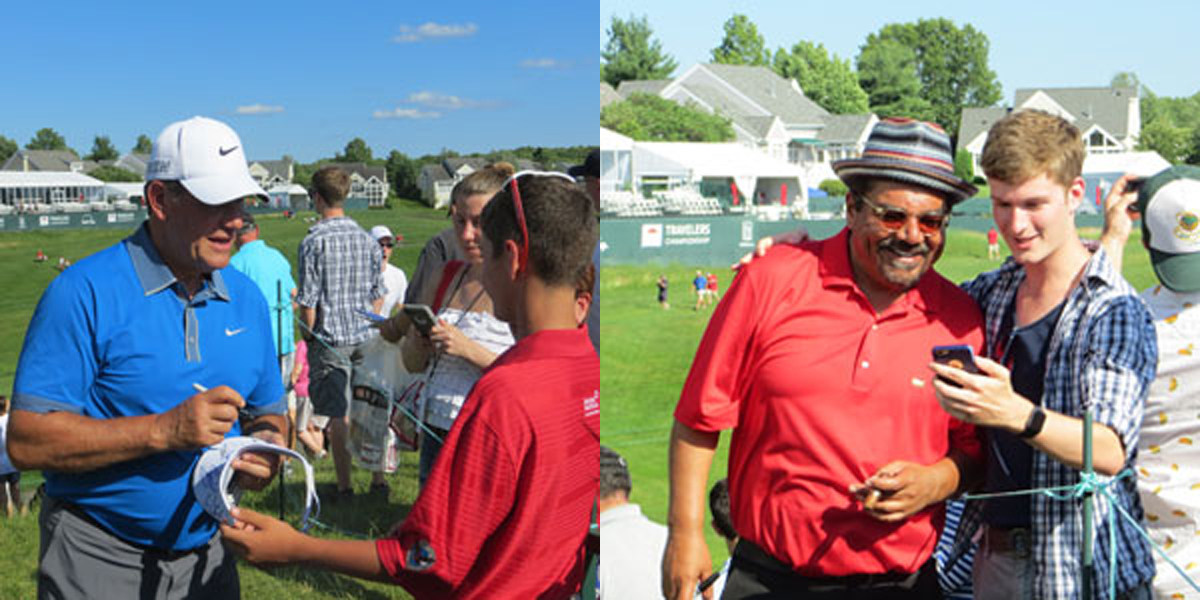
[1033, 425]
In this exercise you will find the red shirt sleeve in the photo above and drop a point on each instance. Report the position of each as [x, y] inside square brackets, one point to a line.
[711, 394]
[435, 548]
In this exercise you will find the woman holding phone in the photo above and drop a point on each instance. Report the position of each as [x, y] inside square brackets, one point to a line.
[467, 336]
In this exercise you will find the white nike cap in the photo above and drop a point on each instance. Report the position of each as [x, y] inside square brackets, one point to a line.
[207, 158]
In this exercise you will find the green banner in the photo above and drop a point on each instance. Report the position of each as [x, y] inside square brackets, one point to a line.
[693, 240]
[724, 239]
[34, 222]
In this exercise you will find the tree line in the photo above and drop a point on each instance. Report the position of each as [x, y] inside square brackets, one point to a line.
[402, 170]
[928, 70]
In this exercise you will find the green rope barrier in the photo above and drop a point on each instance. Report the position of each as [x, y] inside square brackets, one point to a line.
[1090, 483]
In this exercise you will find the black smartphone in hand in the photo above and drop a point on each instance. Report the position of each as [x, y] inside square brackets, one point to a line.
[1133, 185]
[421, 316]
[959, 356]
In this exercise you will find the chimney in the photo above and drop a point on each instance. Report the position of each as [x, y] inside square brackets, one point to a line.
[24, 162]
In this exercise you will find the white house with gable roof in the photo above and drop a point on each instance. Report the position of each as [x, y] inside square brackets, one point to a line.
[768, 113]
[1108, 117]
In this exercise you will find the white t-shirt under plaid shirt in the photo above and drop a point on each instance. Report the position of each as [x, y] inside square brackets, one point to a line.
[340, 272]
[1102, 354]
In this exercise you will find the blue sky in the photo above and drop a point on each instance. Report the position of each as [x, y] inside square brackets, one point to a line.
[1033, 44]
[303, 78]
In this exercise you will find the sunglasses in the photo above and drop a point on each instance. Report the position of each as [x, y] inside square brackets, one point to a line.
[894, 218]
[519, 208]
[387, 244]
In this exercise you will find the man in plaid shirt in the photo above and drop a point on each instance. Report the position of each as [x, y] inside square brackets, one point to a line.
[1064, 331]
[340, 273]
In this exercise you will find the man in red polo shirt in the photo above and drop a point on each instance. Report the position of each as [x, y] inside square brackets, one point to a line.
[506, 509]
[817, 358]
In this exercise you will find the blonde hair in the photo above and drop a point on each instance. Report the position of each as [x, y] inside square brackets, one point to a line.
[1028, 143]
[487, 180]
[332, 183]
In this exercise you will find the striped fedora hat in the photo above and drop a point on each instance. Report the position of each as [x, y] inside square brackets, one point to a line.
[908, 151]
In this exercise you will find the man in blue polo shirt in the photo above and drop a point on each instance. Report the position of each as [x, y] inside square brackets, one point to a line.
[272, 273]
[136, 359]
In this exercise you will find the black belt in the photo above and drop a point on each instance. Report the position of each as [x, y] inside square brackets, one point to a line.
[751, 557]
[156, 553]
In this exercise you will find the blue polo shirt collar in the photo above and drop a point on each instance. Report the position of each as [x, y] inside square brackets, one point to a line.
[154, 274]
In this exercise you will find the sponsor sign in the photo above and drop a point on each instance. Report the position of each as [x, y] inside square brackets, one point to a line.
[652, 235]
[687, 234]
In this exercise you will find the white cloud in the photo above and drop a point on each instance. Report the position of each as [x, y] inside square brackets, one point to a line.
[405, 113]
[446, 101]
[543, 63]
[431, 30]
[258, 109]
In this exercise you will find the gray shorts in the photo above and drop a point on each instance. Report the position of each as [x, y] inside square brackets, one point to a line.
[329, 376]
[80, 559]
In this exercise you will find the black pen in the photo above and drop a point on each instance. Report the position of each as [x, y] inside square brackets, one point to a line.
[708, 582]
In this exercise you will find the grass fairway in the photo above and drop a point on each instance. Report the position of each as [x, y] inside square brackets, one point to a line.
[646, 354]
[23, 282]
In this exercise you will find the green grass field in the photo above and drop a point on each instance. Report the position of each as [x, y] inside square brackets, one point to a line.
[23, 282]
[644, 359]
[646, 354]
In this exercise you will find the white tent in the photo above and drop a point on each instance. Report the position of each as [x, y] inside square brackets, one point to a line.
[1143, 164]
[615, 161]
[125, 191]
[691, 162]
[611, 140]
[43, 191]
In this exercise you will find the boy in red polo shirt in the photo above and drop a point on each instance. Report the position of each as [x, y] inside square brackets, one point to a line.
[506, 509]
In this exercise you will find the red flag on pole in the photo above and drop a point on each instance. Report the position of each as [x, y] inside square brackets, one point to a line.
[733, 190]
[783, 194]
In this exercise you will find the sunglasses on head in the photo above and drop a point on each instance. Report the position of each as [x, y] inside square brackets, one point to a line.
[894, 218]
[523, 256]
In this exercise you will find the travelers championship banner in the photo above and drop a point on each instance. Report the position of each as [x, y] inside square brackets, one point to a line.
[32, 222]
[723, 239]
[697, 240]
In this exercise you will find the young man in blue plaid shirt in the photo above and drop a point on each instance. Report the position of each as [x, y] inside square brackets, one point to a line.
[1064, 331]
[340, 268]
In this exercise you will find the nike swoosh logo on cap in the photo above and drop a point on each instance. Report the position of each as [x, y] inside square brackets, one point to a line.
[232, 332]
[224, 152]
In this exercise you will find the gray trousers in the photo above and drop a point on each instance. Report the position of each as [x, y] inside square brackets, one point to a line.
[79, 559]
[330, 374]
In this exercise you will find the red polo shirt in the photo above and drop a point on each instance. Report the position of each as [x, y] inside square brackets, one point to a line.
[821, 392]
[506, 510]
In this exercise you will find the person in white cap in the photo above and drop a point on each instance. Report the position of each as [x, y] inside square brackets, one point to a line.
[393, 278]
[156, 347]
[1168, 458]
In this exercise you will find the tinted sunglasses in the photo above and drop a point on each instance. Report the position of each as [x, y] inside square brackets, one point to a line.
[519, 208]
[388, 244]
[894, 218]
